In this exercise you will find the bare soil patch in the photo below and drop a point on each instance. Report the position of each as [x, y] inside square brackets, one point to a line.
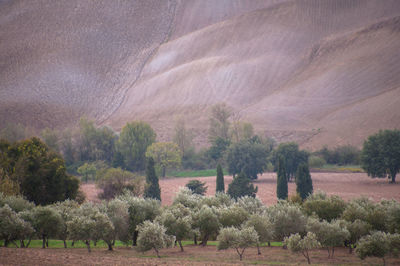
[193, 255]
[345, 185]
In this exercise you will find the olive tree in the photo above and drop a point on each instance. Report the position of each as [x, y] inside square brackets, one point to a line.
[89, 224]
[207, 222]
[232, 216]
[117, 211]
[325, 207]
[47, 222]
[375, 245]
[287, 219]
[13, 227]
[178, 222]
[330, 235]
[237, 238]
[152, 235]
[297, 244]
[66, 210]
[263, 227]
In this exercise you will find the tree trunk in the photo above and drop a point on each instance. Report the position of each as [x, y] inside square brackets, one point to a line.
[65, 243]
[305, 254]
[6, 242]
[269, 243]
[258, 249]
[384, 261]
[393, 177]
[195, 239]
[158, 255]
[205, 239]
[21, 244]
[47, 242]
[333, 251]
[44, 241]
[109, 244]
[135, 236]
[94, 242]
[164, 170]
[180, 244]
[73, 243]
[88, 245]
[29, 241]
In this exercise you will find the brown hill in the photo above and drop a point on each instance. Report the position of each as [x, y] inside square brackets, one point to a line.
[318, 72]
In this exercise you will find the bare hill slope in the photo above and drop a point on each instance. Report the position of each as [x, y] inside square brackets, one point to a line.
[318, 72]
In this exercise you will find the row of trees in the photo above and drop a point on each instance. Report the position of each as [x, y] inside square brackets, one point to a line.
[319, 221]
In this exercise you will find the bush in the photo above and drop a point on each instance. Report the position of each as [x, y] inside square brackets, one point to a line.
[241, 186]
[375, 245]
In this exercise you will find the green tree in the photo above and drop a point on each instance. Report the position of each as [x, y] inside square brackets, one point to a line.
[241, 186]
[239, 239]
[66, 210]
[233, 215]
[50, 137]
[165, 155]
[218, 149]
[152, 236]
[241, 131]
[292, 156]
[153, 190]
[297, 244]
[133, 142]
[197, 187]
[41, 173]
[282, 182]
[304, 184]
[248, 156]
[220, 187]
[381, 154]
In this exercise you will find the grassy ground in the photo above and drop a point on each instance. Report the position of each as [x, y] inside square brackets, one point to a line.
[334, 168]
[194, 173]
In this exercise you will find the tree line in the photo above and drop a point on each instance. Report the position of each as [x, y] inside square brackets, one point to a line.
[320, 221]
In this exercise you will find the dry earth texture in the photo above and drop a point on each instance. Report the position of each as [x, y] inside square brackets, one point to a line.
[192, 256]
[317, 72]
[346, 185]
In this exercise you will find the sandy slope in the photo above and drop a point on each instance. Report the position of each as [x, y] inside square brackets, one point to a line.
[318, 72]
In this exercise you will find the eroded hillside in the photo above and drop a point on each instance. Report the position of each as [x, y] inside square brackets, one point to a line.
[318, 72]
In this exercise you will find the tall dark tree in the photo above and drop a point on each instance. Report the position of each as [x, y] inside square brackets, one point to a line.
[241, 186]
[197, 187]
[304, 184]
[153, 190]
[220, 180]
[282, 182]
[381, 154]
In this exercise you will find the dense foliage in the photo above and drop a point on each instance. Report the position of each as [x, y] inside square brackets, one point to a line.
[381, 154]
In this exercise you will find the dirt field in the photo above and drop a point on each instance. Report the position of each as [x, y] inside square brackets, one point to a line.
[346, 185]
[193, 255]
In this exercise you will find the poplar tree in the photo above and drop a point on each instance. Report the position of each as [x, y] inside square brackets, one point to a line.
[304, 186]
[220, 180]
[153, 190]
[282, 182]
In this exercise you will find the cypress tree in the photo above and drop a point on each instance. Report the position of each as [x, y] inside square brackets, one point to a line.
[241, 186]
[153, 190]
[220, 180]
[303, 181]
[282, 182]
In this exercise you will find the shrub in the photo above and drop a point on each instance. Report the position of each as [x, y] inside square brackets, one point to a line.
[326, 208]
[375, 245]
[316, 161]
[241, 186]
[197, 187]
